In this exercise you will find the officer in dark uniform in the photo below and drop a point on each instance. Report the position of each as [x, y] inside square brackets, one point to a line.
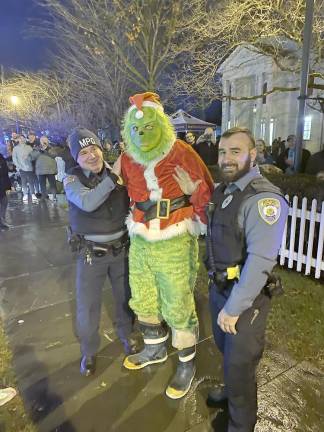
[98, 205]
[246, 223]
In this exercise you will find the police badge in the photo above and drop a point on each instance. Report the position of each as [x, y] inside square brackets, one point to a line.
[269, 210]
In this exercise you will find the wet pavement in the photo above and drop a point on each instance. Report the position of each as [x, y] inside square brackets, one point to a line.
[37, 305]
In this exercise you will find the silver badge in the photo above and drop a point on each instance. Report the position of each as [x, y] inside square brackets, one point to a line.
[227, 201]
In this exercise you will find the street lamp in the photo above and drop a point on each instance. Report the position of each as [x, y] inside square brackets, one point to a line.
[15, 102]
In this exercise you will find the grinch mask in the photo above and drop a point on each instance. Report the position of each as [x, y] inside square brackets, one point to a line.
[148, 137]
[145, 132]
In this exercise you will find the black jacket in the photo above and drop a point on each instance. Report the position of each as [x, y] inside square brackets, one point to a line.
[4, 178]
[208, 151]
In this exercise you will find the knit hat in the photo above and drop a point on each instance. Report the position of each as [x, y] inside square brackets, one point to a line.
[80, 138]
[147, 99]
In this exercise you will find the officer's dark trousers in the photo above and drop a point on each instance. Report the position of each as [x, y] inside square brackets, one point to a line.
[242, 353]
[89, 284]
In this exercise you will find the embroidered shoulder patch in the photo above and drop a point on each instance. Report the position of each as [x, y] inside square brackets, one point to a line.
[68, 179]
[269, 210]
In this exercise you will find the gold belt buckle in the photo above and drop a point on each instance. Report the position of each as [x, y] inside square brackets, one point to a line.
[163, 208]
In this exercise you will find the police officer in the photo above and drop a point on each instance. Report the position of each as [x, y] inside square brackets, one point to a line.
[246, 222]
[98, 205]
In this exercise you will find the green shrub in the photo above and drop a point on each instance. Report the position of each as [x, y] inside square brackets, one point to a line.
[301, 185]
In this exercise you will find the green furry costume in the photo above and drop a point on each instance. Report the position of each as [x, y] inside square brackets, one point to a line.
[163, 228]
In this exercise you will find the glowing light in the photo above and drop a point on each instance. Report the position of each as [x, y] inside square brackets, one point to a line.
[14, 100]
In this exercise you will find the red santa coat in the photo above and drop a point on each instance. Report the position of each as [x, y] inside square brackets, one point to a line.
[155, 181]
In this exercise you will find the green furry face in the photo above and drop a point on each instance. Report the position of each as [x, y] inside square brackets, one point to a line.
[145, 132]
[149, 137]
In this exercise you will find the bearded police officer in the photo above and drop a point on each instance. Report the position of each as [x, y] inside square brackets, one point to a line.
[247, 216]
[98, 205]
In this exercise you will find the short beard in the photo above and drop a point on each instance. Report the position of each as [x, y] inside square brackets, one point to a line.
[230, 178]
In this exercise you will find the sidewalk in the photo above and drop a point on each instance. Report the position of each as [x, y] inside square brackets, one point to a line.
[37, 307]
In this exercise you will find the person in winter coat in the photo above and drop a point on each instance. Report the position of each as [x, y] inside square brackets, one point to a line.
[45, 167]
[206, 147]
[22, 161]
[5, 186]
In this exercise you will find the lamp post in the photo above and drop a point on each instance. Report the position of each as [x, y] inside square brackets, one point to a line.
[15, 102]
[307, 39]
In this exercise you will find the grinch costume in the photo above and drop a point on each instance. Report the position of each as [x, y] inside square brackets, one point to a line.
[163, 225]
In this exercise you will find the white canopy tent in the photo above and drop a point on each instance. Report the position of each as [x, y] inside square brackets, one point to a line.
[183, 122]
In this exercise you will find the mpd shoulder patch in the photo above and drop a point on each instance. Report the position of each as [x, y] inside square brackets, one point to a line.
[269, 210]
[68, 179]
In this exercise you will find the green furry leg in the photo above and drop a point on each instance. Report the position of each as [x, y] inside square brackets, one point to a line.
[162, 279]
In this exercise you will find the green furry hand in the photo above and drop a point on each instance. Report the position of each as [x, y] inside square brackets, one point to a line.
[187, 185]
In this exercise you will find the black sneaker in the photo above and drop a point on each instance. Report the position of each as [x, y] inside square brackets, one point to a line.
[88, 365]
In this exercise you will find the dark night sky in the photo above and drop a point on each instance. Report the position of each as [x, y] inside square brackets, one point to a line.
[16, 49]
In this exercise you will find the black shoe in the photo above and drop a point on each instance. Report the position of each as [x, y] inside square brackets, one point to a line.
[88, 365]
[130, 345]
[38, 195]
[220, 422]
[4, 227]
[217, 396]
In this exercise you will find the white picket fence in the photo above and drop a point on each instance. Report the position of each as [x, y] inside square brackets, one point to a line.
[308, 237]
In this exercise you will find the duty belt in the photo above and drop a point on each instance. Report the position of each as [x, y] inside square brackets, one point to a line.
[101, 249]
[222, 277]
[162, 208]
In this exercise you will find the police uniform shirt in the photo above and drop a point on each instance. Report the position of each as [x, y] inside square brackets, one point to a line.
[262, 218]
[88, 199]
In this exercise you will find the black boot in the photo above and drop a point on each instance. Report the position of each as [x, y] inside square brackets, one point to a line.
[154, 351]
[88, 365]
[181, 381]
[217, 397]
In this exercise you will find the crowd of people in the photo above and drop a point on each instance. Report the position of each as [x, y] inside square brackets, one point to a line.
[280, 154]
[138, 223]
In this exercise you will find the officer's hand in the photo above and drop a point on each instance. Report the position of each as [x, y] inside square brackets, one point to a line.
[116, 169]
[227, 322]
[183, 179]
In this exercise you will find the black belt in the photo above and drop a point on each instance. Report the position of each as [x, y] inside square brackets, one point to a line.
[162, 208]
[114, 246]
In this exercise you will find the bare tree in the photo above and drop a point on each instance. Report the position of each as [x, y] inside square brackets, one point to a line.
[115, 47]
[271, 27]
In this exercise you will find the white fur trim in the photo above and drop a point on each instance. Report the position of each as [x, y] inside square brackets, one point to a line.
[152, 181]
[203, 226]
[148, 104]
[154, 233]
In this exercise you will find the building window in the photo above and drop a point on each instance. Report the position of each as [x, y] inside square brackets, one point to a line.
[307, 127]
[263, 128]
[264, 90]
[271, 130]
